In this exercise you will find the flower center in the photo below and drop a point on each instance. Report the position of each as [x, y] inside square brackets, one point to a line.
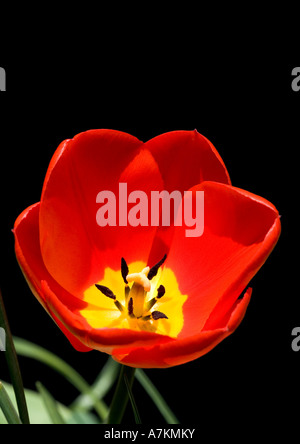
[135, 296]
[136, 300]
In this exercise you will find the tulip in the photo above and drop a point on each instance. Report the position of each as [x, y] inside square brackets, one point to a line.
[148, 295]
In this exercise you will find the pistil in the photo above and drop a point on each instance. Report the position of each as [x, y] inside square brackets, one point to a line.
[141, 285]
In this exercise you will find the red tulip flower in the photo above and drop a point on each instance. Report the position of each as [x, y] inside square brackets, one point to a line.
[149, 294]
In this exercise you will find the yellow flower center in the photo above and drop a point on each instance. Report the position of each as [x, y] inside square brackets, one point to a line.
[150, 300]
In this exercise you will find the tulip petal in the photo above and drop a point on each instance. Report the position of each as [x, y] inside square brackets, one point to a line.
[27, 248]
[184, 158]
[183, 350]
[93, 162]
[240, 231]
[62, 306]
[102, 339]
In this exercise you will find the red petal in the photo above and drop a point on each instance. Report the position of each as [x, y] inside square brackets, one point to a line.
[240, 231]
[180, 351]
[28, 254]
[62, 306]
[102, 339]
[74, 248]
[185, 159]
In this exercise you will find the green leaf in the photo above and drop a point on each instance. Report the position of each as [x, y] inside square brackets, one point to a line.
[7, 407]
[50, 404]
[156, 397]
[30, 350]
[132, 400]
[78, 417]
[13, 365]
[36, 407]
[101, 386]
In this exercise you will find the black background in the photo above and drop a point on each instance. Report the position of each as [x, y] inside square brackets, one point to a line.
[246, 107]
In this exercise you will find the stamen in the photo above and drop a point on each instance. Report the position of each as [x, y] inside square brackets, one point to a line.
[124, 270]
[155, 315]
[127, 291]
[160, 291]
[106, 291]
[130, 307]
[158, 315]
[119, 306]
[153, 271]
[150, 304]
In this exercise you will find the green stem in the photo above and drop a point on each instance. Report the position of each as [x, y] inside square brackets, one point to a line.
[7, 407]
[120, 398]
[13, 366]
